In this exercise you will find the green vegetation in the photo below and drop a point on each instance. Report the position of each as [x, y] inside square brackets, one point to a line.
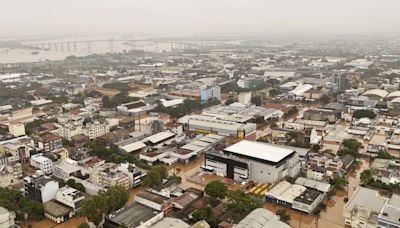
[155, 176]
[256, 101]
[273, 93]
[186, 107]
[240, 202]
[204, 213]
[284, 216]
[324, 99]
[123, 87]
[216, 190]
[366, 177]
[14, 201]
[84, 225]
[94, 94]
[78, 186]
[339, 182]
[364, 113]
[229, 101]
[98, 149]
[330, 194]
[120, 98]
[104, 203]
[351, 147]
[385, 155]
[7, 93]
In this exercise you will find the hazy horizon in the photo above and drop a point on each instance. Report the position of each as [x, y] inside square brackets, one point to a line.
[41, 18]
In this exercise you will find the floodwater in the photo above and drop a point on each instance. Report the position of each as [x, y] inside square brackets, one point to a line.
[45, 223]
[332, 216]
[20, 55]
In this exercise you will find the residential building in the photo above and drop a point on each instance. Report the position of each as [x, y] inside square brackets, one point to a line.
[108, 175]
[7, 218]
[134, 174]
[41, 162]
[96, 129]
[16, 129]
[57, 212]
[70, 197]
[41, 188]
[10, 174]
[48, 142]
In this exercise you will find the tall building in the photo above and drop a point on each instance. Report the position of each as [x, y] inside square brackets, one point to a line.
[41, 188]
[207, 93]
[16, 129]
[41, 162]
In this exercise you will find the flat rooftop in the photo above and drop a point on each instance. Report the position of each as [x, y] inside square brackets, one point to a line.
[263, 151]
[133, 215]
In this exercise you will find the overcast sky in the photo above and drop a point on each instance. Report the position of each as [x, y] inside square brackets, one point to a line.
[25, 18]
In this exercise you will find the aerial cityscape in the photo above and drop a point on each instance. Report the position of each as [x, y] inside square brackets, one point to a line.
[200, 114]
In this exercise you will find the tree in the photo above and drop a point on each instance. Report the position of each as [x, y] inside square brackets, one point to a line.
[115, 198]
[385, 155]
[203, 213]
[330, 194]
[364, 113]
[155, 176]
[102, 203]
[14, 201]
[324, 99]
[216, 189]
[256, 100]
[339, 181]
[315, 147]
[33, 208]
[106, 102]
[93, 208]
[273, 93]
[241, 202]
[366, 177]
[84, 225]
[352, 144]
[229, 101]
[176, 178]
[284, 216]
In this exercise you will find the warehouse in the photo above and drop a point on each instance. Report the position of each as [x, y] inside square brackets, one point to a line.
[256, 161]
[211, 124]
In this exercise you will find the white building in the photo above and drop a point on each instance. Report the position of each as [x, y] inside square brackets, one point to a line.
[40, 188]
[257, 161]
[96, 129]
[70, 197]
[363, 208]
[41, 162]
[7, 218]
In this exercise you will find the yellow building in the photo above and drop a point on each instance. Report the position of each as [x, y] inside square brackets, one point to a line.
[16, 129]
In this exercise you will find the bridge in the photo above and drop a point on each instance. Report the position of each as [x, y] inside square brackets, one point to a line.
[71, 46]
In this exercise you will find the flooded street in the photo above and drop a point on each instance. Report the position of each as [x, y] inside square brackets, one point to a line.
[45, 223]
